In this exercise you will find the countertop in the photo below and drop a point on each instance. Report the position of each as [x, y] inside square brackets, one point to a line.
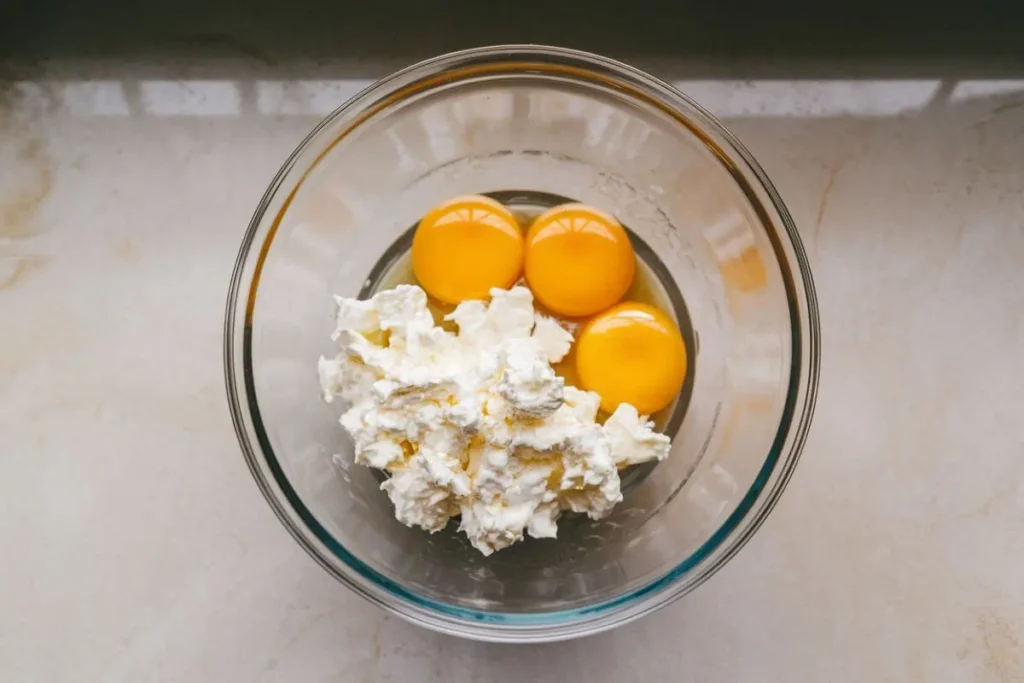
[139, 549]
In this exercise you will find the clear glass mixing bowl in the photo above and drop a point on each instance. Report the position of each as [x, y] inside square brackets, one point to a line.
[549, 120]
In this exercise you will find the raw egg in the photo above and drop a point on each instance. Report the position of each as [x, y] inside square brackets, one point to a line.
[579, 260]
[464, 247]
[632, 353]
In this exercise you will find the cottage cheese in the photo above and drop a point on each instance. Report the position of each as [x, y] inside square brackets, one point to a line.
[477, 424]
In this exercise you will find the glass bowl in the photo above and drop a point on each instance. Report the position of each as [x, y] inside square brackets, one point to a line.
[533, 120]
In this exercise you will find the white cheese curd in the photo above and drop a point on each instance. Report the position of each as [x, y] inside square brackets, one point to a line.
[477, 424]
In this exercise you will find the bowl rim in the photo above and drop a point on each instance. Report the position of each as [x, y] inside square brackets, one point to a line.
[759, 499]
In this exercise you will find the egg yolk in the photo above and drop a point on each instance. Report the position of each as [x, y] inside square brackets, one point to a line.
[464, 247]
[632, 353]
[579, 260]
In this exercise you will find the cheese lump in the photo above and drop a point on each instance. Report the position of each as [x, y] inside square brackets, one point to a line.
[477, 424]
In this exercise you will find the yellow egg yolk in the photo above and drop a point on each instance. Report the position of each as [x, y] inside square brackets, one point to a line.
[632, 353]
[579, 260]
[464, 247]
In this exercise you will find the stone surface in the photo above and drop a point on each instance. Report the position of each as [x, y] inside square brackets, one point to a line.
[139, 549]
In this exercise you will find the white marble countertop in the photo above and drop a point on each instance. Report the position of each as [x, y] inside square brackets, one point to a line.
[139, 549]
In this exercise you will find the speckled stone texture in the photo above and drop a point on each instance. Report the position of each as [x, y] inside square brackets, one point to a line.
[138, 548]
